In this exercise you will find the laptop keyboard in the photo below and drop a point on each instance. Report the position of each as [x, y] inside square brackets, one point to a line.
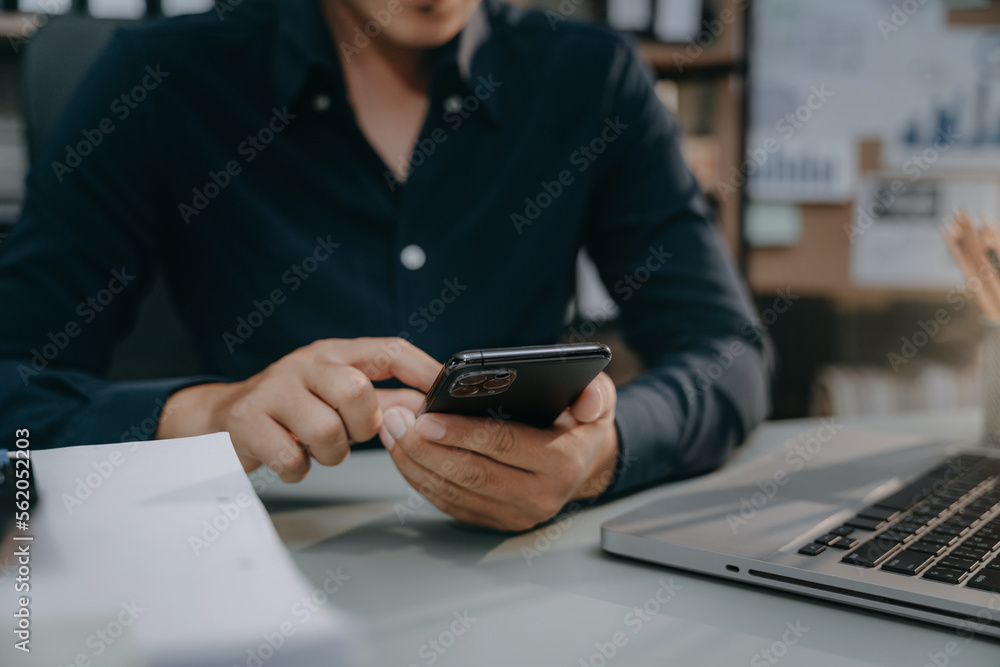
[943, 527]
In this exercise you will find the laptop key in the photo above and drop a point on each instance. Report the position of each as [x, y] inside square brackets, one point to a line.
[908, 496]
[965, 564]
[863, 523]
[964, 520]
[945, 575]
[812, 549]
[896, 534]
[845, 543]
[870, 553]
[979, 541]
[969, 553]
[986, 580]
[950, 529]
[826, 539]
[880, 513]
[842, 530]
[989, 531]
[926, 547]
[938, 505]
[939, 538]
[994, 564]
[907, 562]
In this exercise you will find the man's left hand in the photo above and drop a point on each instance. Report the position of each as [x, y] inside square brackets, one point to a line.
[504, 474]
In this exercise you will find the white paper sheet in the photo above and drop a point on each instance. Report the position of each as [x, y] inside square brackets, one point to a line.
[165, 544]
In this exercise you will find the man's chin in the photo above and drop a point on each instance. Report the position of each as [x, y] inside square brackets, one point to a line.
[425, 31]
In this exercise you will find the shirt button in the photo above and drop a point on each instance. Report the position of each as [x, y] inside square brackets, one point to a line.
[453, 104]
[413, 257]
[321, 103]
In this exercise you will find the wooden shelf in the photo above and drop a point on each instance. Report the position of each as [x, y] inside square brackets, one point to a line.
[12, 23]
[669, 59]
[725, 50]
[13, 26]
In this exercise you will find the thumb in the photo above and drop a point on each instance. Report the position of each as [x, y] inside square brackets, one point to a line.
[597, 400]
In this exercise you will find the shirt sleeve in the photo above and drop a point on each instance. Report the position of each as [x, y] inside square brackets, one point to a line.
[683, 307]
[78, 263]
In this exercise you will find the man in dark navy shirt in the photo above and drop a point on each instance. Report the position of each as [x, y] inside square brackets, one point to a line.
[346, 191]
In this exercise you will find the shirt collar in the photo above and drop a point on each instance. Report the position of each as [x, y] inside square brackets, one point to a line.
[303, 46]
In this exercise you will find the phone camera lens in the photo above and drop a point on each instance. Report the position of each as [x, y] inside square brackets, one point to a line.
[471, 379]
[502, 376]
[498, 383]
[462, 391]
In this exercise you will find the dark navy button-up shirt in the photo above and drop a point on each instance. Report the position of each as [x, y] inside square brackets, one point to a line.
[221, 150]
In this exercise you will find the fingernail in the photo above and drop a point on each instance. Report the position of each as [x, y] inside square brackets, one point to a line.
[395, 423]
[430, 428]
[387, 440]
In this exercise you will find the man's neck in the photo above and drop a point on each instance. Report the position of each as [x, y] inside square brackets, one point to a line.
[378, 59]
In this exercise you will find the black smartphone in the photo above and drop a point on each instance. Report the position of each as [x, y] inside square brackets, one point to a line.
[527, 384]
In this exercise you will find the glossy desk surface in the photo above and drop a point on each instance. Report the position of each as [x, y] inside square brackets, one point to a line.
[431, 591]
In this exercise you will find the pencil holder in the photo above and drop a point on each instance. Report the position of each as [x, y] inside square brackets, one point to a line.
[991, 383]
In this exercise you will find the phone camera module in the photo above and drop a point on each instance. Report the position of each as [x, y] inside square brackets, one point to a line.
[483, 383]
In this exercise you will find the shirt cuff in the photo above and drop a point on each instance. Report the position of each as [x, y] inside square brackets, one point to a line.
[648, 427]
[127, 411]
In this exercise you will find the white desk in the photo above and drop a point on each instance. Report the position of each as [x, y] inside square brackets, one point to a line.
[408, 579]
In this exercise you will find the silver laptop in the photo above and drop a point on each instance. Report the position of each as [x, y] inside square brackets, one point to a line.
[901, 526]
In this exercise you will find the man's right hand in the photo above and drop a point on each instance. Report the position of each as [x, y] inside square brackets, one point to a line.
[313, 402]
